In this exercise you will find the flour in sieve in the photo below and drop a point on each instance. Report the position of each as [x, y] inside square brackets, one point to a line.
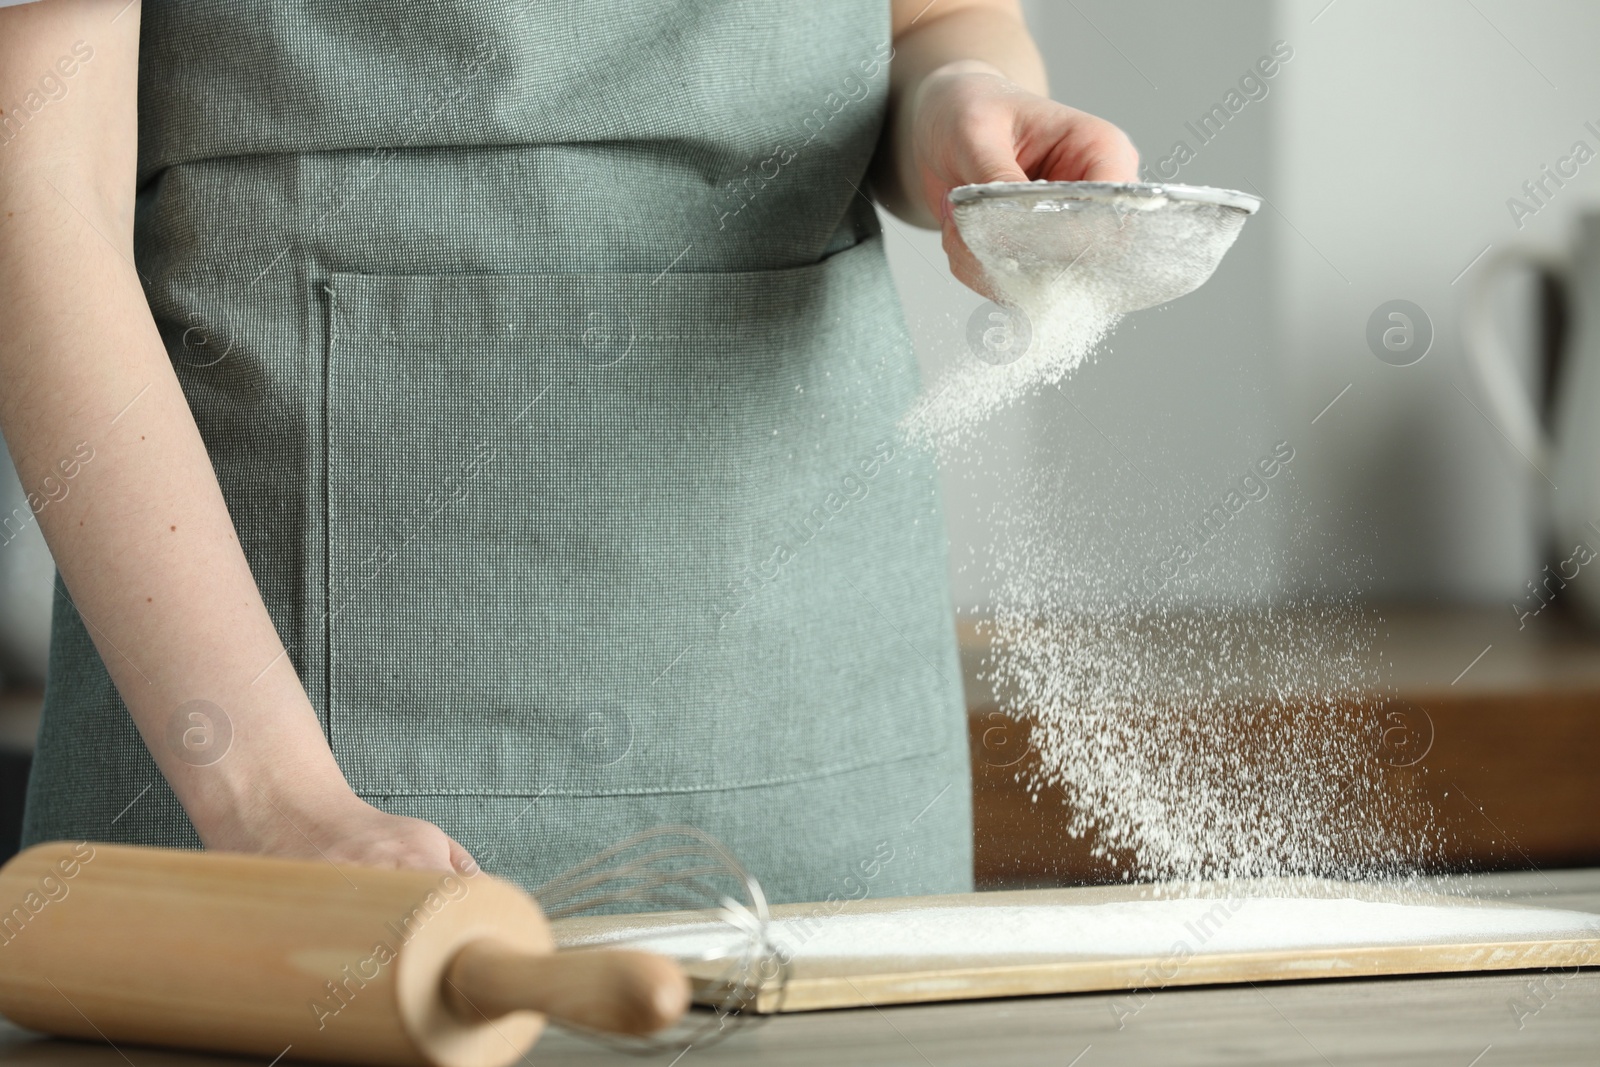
[1074, 268]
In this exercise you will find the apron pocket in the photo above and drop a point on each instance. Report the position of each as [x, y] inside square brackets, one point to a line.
[625, 533]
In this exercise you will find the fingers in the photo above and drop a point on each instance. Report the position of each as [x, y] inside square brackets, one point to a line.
[994, 158]
[988, 156]
[963, 264]
[460, 859]
[1090, 149]
[991, 157]
[1113, 160]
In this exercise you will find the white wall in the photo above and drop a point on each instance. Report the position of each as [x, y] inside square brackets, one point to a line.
[1404, 130]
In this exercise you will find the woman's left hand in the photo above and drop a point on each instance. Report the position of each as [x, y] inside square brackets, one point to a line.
[973, 125]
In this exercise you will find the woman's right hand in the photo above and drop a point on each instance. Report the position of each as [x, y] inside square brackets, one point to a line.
[344, 829]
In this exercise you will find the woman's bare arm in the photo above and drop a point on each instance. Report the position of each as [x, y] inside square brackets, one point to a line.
[123, 488]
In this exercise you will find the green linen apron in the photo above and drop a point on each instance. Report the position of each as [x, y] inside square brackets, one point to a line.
[549, 361]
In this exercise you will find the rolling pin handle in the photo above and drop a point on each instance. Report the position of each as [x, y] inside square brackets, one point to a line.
[615, 991]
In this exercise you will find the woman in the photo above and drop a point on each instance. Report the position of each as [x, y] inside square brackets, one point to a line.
[490, 417]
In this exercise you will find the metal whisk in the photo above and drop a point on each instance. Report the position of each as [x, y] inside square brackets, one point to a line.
[680, 869]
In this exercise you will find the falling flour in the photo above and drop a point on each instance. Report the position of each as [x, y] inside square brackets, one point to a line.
[1139, 928]
[1190, 739]
[1066, 329]
[1204, 743]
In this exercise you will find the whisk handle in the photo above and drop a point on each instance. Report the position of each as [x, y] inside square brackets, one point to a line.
[612, 990]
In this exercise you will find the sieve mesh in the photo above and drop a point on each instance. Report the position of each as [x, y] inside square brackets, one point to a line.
[1138, 245]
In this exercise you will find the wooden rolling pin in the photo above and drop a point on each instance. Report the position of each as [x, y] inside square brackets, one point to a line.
[262, 956]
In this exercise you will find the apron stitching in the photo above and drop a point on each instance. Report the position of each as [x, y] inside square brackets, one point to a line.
[327, 516]
[769, 783]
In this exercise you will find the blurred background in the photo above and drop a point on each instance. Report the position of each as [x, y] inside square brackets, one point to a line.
[1391, 144]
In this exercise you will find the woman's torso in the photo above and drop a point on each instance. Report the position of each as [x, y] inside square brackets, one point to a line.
[550, 367]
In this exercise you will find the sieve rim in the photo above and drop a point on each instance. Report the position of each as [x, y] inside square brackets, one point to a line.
[1100, 191]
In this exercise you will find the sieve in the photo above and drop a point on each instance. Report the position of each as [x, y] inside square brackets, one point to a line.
[1139, 243]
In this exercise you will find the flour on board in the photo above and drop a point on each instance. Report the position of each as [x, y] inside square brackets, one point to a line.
[1138, 928]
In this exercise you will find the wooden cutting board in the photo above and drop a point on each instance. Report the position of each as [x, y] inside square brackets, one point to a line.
[1138, 938]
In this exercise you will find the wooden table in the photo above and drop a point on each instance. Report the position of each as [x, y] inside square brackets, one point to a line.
[1452, 1022]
